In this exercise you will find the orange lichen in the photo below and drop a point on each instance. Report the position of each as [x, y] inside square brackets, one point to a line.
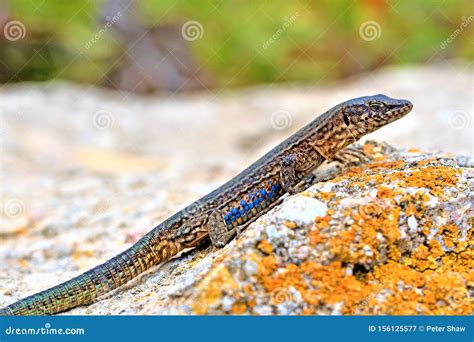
[316, 238]
[369, 149]
[23, 263]
[289, 224]
[420, 276]
[322, 221]
[80, 254]
[238, 309]
[449, 234]
[267, 265]
[324, 196]
[265, 247]
[211, 289]
[384, 192]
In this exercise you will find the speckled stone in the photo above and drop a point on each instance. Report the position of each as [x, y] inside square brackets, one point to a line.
[75, 193]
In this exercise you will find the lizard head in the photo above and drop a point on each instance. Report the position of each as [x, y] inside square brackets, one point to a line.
[366, 114]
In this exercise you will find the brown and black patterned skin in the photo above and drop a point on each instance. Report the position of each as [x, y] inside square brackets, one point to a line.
[228, 209]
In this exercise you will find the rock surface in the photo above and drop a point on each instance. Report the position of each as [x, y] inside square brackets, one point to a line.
[393, 236]
[396, 238]
[86, 172]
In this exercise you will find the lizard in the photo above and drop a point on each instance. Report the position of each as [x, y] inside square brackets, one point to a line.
[226, 211]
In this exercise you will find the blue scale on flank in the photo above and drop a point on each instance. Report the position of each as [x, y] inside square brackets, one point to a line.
[254, 200]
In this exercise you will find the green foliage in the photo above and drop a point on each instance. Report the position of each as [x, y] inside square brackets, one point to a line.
[247, 42]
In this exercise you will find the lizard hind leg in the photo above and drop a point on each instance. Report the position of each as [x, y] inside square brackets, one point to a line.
[219, 232]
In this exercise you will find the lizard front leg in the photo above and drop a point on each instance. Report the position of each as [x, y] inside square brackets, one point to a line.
[288, 180]
[289, 165]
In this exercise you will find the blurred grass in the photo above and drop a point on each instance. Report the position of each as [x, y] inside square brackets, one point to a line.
[320, 45]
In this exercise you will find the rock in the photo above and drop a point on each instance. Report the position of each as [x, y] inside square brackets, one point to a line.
[302, 209]
[86, 174]
[389, 237]
[400, 253]
[393, 236]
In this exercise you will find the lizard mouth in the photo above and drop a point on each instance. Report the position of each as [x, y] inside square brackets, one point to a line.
[399, 112]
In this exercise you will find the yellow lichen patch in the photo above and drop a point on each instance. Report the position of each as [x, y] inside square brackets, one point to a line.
[359, 243]
[267, 265]
[23, 263]
[289, 224]
[394, 253]
[289, 276]
[384, 250]
[421, 259]
[316, 238]
[210, 289]
[324, 196]
[369, 149]
[445, 294]
[436, 249]
[434, 178]
[322, 221]
[432, 292]
[382, 215]
[265, 247]
[308, 311]
[80, 254]
[449, 233]
[330, 285]
[385, 192]
[238, 309]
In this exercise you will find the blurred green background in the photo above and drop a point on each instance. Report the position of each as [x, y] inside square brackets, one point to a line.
[237, 43]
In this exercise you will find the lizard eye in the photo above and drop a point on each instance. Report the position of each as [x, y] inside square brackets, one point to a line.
[376, 106]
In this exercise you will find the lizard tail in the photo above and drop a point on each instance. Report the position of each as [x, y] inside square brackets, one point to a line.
[87, 287]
